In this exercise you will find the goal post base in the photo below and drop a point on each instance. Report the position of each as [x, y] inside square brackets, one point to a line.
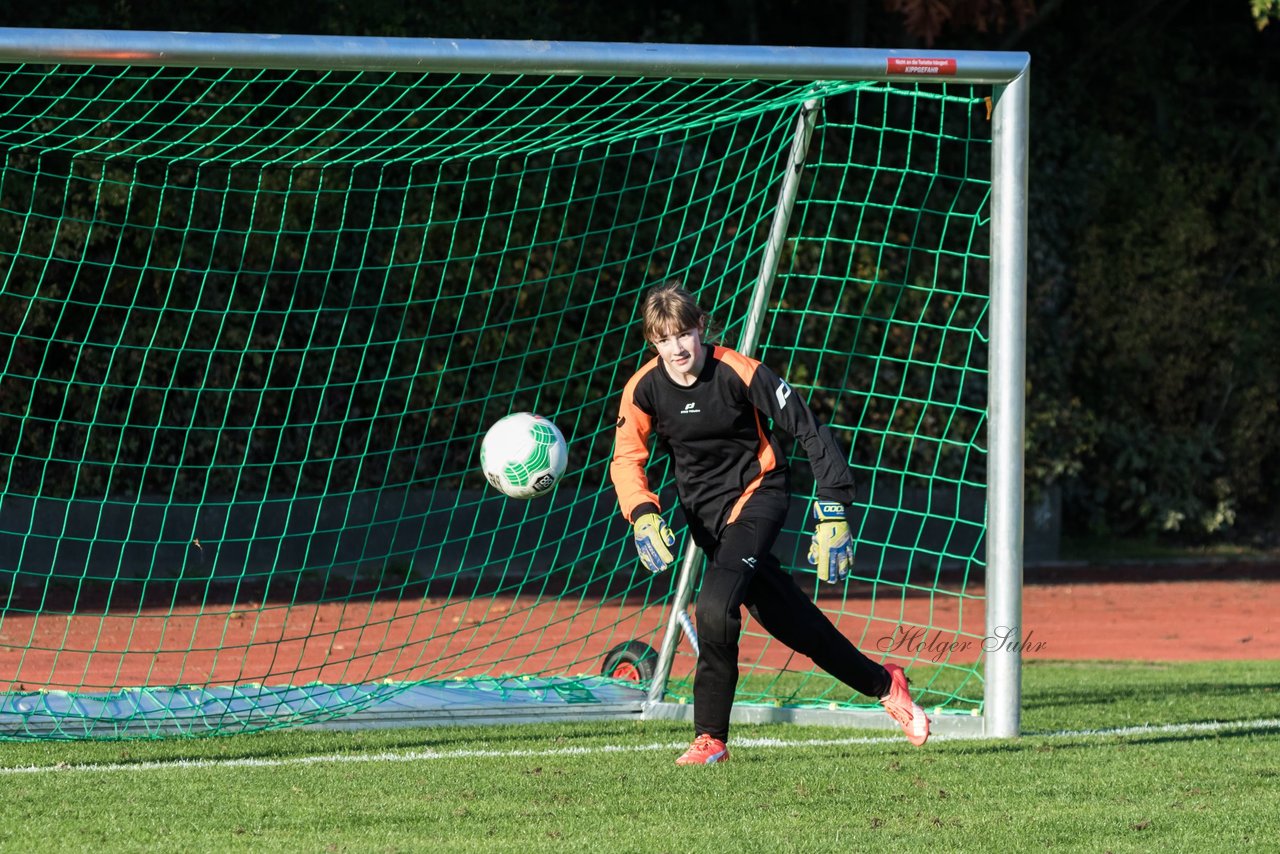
[424, 709]
[185, 711]
[946, 724]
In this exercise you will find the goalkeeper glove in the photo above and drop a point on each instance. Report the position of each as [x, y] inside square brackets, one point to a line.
[653, 541]
[832, 547]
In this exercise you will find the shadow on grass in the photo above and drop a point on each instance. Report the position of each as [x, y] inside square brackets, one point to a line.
[1153, 694]
[1160, 734]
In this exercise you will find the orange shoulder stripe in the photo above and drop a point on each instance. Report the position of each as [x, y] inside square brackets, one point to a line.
[631, 448]
[745, 368]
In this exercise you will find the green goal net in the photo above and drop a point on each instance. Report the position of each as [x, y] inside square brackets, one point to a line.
[255, 322]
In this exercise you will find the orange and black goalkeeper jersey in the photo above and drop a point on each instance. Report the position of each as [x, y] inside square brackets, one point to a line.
[719, 433]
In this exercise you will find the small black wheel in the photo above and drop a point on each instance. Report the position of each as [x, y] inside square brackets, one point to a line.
[633, 661]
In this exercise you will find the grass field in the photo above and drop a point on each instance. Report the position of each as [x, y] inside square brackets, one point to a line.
[1117, 757]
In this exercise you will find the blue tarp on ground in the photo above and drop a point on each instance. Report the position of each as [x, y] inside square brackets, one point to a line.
[142, 712]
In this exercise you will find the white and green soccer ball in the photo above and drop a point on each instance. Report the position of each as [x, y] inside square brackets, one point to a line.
[523, 455]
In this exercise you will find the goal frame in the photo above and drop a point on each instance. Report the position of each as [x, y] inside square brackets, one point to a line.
[1008, 73]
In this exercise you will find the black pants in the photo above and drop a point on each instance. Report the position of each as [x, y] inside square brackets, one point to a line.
[742, 570]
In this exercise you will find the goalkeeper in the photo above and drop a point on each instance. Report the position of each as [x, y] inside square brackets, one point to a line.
[714, 411]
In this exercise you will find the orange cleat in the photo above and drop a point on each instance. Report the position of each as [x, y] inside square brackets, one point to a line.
[705, 750]
[903, 709]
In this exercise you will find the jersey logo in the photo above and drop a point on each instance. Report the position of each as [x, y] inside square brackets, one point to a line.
[782, 392]
[690, 409]
[622, 419]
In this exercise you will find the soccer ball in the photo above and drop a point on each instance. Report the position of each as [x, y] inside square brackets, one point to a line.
[523, 455]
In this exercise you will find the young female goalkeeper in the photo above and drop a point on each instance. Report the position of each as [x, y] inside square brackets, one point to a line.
[714, 410]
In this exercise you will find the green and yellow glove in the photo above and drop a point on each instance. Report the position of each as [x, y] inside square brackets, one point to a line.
[832, 548]
[653, 541]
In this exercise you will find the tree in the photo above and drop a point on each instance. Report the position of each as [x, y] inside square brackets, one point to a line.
[1265, 11]
[1154, 377]
[928, 19]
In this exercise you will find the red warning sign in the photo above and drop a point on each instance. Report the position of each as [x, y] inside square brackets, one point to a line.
[925, 67]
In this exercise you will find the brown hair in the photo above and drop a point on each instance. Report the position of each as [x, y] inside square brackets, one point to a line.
[669, 308]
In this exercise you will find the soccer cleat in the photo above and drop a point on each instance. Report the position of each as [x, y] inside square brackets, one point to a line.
[705, 750]
[903, 709]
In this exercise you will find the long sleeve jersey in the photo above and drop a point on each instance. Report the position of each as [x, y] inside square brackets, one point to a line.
[719, 433]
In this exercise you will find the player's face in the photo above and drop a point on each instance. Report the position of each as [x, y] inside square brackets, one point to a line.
[682, 352]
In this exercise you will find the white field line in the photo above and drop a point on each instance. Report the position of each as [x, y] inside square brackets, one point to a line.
[429, 755]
